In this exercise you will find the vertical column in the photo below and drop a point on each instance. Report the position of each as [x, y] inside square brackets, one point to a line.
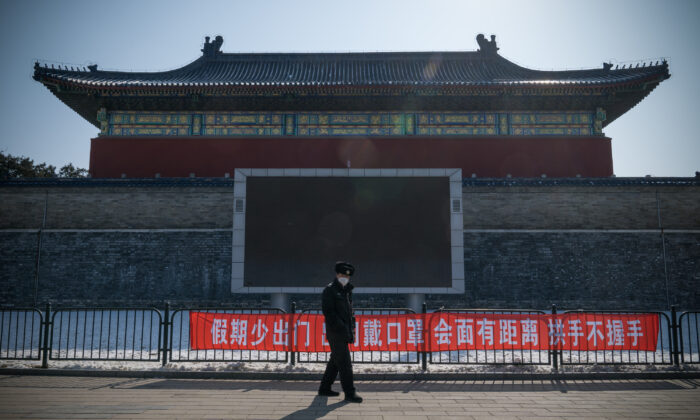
[290, 125]
[238, 246]
[503, 126]
[415, 301]
[600, 116]
[102, 117]
[457, 231]
[280, 300]
[409, 124]
[196, 128]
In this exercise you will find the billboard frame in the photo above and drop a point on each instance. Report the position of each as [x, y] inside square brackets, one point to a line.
[456, 225]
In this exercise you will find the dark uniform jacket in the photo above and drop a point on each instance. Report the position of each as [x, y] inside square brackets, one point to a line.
[337, 309]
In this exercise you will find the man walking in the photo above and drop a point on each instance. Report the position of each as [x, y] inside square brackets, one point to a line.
[340, 329]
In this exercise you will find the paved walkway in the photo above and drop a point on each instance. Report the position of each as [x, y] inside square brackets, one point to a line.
[57, 397]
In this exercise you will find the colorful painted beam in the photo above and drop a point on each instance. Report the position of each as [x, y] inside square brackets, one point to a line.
[562, 123]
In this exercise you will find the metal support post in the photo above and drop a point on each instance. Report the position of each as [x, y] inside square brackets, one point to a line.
[46, 349]
[554, 353]
[414, 301]
[676, 351]
[166, 323]
[424, 353]
[280, 300]
[292, 354]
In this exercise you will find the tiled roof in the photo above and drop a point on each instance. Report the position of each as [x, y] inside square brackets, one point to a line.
[477, 68]
[476, 80]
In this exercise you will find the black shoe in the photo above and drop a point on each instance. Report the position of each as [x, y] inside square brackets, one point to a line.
[353, 398]
[328, 393]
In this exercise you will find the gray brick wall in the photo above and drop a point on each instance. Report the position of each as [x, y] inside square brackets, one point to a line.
[591, 270]
[580, 207]
[135, 268]
[683, 264]
[21, 208]
[525, 246]
[680, 208]
[117, 208]
[17, 267]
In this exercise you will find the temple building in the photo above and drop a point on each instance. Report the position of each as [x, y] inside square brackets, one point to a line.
[456, 178]
[471, 110]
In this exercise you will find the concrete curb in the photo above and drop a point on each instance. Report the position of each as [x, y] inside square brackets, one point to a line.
[302, 376]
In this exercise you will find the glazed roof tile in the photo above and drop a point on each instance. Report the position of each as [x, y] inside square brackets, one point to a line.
[352, 82]
[475, 68]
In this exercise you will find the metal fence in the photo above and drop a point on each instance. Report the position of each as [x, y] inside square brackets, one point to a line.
[689, 337]
[500, 354]
[21, 333]
[180, 348]
[152, 335]
[384, 357]
[611, 356]
[126, 334]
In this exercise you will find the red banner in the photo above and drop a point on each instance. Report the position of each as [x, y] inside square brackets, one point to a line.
[432, 332]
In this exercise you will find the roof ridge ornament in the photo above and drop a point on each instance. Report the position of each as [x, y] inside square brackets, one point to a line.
[211, 49]
[487, 47]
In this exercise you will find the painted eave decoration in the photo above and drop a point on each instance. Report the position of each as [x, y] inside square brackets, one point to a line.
[473, 80]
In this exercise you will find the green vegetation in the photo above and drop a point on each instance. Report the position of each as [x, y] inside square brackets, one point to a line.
[14, 167]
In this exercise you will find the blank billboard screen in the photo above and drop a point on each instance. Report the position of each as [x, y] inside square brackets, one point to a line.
[395, 230]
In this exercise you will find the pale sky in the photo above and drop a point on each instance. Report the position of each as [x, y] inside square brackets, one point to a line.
[657, 137]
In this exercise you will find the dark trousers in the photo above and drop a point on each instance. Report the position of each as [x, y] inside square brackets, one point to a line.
[339, 362]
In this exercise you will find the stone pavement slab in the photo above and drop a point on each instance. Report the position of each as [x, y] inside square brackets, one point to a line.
[57, 397]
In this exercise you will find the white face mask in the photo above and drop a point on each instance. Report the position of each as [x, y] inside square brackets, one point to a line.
[343, 280]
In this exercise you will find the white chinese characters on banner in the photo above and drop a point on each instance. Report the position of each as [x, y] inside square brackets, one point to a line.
[530, 334]
[324, 337]
[594, 332]
[394, 337]
[436, 331]
[507, 332]
[415, 331]
[486, 331]
[372, 332]
[302, 328]
[465, 331]
[443, 332]
[575, 330]
[259, 332]
[280, 333]
[616, 332]
[239, 331]
[218, 331]
[635, 330]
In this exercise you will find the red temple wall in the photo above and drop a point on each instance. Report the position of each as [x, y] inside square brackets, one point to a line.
[143, 157]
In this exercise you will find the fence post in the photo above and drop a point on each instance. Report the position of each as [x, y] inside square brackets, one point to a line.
[292, 310]
[424, 354]
[553, 351]
[47, 347]
[674, 334]
[166, 322]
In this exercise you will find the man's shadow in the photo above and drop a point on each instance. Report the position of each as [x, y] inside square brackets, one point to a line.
[319, 407]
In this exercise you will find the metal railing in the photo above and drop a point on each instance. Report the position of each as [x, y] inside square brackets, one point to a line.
[689, 337]
[152, 335]
[21, 333]
[609, 355]
[499, 353]
[179, 339]
[365, 356]
[125, 334]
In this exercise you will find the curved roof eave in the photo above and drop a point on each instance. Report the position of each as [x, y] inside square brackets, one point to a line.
[351, 69]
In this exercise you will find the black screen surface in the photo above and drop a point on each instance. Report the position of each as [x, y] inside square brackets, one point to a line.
[395, 230]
